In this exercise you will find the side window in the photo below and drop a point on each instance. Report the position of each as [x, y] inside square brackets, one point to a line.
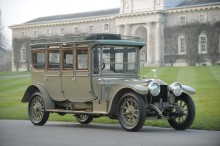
[67, 59]
[97, 59]
[39, 59]
[119, 60]
[54, 59]
[202, 46]
[82, 59]
[181, 44]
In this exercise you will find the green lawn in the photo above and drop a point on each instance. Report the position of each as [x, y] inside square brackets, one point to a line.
[206, 80]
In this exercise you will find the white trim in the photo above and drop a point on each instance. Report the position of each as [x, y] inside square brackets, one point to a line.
[202, 44]
[64, 22]
[194, 8]
[181, 44]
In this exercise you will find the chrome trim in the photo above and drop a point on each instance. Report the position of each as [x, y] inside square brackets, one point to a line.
[153, 89]
[188, 89]
[176, 88]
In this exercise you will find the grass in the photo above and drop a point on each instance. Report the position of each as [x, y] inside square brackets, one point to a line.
[206, 80]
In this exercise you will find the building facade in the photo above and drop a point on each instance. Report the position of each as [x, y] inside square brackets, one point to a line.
[176, 32]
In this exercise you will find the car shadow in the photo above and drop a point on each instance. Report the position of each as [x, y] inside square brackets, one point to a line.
[114, 127]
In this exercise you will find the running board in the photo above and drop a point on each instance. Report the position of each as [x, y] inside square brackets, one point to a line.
[76, 112]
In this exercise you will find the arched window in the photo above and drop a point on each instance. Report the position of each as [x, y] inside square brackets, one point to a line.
[181, 44]
[202, 46]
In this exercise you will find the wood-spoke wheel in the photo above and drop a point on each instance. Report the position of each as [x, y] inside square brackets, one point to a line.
[132, 112]
[185, 119]
[36, 110]
[84, 119]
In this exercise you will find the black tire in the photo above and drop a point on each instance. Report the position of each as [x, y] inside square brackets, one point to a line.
[183, 122]
[132, 112]
[36, 110]
[84, 119]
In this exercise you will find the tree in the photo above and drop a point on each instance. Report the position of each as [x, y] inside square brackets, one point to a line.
[2, 35]
[5, 64]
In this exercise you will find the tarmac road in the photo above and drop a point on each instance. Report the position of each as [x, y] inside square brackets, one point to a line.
[23, 133]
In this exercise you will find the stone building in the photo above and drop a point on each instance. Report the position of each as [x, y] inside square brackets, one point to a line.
[176, 32]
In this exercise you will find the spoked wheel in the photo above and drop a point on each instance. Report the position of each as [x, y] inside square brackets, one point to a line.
[84, 119]
[184, 120]
[132, 112]
[36, 110]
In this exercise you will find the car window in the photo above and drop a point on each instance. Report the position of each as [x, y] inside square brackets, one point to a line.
[54, 59]
[82, 59]
[67, 59]
[114, 59]
[39, 59]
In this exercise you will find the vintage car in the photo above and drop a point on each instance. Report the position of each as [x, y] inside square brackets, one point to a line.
[95, 75]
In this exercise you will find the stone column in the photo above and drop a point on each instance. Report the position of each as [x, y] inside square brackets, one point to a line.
[158, 43]
[150, 52]
[127, 29]
[162, 45]
[120, 29]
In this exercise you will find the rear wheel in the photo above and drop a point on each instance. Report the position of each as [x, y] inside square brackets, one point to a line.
[132, 112]
[185, 120]
[36, 110]
[84, 119]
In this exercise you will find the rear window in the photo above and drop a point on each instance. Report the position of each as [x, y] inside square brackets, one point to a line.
[39, 59]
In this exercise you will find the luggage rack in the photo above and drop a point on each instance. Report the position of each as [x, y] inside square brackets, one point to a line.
[84, 37]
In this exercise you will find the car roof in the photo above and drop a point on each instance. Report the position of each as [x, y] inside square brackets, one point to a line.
[91, 40]
[118, 43]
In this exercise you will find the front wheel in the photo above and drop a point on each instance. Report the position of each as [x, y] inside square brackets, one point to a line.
[185, 120]
[132, 112]
[36, 110]
[84, 119]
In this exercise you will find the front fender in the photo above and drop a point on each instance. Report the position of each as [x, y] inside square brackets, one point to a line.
[49, 103]
[140, 89]
[188, 89]
[119, 91]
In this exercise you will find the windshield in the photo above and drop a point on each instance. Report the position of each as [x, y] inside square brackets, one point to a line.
[114, 60]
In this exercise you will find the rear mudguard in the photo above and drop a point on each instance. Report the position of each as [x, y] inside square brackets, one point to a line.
[49, 103]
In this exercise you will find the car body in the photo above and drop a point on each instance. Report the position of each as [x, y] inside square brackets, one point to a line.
[97, 75]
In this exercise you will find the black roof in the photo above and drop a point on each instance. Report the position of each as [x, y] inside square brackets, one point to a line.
[76, 15]
[196, 2]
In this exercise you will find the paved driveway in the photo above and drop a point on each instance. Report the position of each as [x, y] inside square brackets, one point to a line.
[23, 133]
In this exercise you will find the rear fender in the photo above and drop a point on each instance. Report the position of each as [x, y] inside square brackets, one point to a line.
[49, 103]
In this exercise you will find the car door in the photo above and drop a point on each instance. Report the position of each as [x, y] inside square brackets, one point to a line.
[98, 85]
[75, 75]
[53, 75]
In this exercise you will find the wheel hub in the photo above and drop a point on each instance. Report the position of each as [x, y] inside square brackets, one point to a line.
[130, 110]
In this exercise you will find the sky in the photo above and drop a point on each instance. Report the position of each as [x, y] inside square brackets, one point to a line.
[20, 11]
